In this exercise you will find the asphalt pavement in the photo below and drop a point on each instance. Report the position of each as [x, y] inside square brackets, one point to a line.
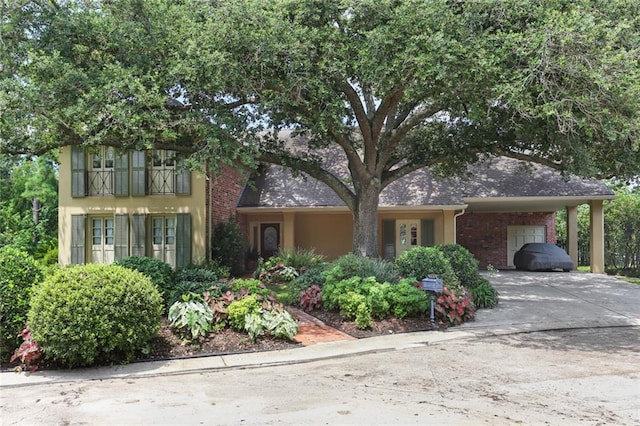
[529, 302]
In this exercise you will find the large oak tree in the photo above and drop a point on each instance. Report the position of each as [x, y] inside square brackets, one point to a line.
[395, 85]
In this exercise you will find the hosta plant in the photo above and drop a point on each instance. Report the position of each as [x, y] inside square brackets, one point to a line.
[193, 315]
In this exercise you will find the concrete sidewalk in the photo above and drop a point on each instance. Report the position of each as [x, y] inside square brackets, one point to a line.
[528, 302]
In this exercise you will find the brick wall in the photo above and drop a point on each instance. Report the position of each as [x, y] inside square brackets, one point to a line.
[485, 234]
[223, 193]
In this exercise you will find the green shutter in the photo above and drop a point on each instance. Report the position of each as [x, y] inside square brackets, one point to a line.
[183, 240]
[138, 174]
[78, 224]
[121, 236]
[138, 228]
[389, 238]
[121, 175]
[78, 172]
[428, 232]
[183, 180]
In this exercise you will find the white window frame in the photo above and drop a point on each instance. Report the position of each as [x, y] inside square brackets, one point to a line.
[408, 235]
[163, 238]
[102, 239]
[101, 168]
[163, 171]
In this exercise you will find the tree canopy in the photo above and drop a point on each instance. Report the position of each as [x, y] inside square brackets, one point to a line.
[396, 85]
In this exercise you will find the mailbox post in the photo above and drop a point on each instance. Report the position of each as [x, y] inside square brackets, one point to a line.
[433, 285]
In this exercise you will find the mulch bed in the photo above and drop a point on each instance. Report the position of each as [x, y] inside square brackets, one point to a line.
[169, 344]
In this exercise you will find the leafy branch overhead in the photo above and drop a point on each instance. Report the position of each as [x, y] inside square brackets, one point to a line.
[392, 85]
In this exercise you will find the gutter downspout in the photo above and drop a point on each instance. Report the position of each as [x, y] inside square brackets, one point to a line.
[455, 224]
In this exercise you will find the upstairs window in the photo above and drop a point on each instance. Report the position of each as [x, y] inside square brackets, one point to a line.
[163, 170]
[100, 173]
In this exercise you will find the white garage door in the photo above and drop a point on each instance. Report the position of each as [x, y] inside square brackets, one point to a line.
[517, 236]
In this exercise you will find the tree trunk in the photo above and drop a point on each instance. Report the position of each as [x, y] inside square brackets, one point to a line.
[35, 214]
[365, 222]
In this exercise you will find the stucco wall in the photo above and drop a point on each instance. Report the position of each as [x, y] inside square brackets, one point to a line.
[328, 234]
[485, 234]
[193, 204]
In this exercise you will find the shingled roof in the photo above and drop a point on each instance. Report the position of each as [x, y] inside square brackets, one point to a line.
[495, 178]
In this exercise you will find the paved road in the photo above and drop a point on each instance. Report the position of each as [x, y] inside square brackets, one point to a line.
[523, 362]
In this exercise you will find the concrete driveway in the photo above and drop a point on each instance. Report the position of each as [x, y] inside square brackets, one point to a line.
[532, 301]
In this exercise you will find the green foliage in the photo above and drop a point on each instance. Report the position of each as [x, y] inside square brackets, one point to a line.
[349, 303]
[253, 286]
[227, 246]
[465, 266]
[160, 273]
[407, 300]
[193, 316]
[288, 265]
[484, 294]
[239, 309]
[90, 314]
[277, 323]
[19, 272]
[454, 309]
[381, 299]
[195, 280]
[352, 265]
[421, 262]
[622, 232]
[300, 258]
[28, 203]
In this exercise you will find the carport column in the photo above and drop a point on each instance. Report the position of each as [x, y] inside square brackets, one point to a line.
[449, 226]
[288, 231]
[596, 247]
[572, 233]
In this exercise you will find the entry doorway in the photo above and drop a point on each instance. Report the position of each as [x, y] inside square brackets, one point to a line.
[269, 239]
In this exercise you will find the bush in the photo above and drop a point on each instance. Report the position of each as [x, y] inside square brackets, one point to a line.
[227, 246]
[484, 294]
[408, 300]
[252, 286]
[299, 258]
[420, 262]
[239, 309]
[352, 265]
[465, 266]
[94, 314]
[160, 273]
[194, 280]
[277, 323]
[19, 272]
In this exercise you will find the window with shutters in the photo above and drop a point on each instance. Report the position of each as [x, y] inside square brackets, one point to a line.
[102, 239]
[163, 236]
[100, 173]
[163, 170]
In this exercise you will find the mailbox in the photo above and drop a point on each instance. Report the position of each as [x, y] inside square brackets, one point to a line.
[432, 284]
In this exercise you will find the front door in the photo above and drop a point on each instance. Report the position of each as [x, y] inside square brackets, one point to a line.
[269, 239]
[407, 235]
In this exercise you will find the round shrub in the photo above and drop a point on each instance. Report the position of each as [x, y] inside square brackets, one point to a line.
[90, 314]
[420, 262]
[160, 273]
[463, 263]
[19, 272]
